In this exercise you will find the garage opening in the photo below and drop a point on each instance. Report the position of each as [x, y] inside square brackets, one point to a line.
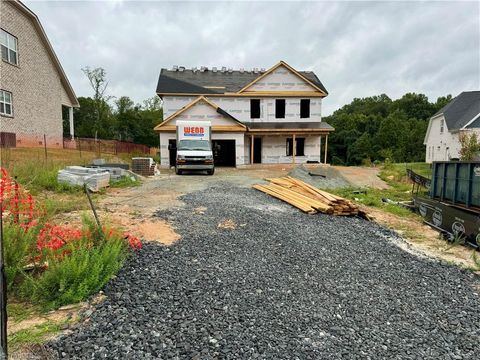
[172, 151]
[224, 152]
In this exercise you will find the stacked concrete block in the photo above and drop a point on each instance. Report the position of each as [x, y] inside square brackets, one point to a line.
[94, 178]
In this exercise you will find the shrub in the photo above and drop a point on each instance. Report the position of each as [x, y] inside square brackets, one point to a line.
[19, 244]
[73, 278]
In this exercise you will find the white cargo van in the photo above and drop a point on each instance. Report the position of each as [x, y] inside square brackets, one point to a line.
[194, 147]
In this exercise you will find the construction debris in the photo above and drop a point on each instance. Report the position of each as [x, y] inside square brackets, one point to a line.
[94, 178]
[307, 198]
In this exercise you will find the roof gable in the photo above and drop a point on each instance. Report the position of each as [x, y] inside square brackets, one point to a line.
[461, 111]
[214, 113]
[283, 77]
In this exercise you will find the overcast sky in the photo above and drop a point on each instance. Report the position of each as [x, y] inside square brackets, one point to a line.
[357, 49]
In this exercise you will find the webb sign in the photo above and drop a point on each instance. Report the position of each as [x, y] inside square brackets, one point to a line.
[193, 131]
[198, 130]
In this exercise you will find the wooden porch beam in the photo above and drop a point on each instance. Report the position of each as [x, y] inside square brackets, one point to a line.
[326, 147]
[251, 148]
[294, 150]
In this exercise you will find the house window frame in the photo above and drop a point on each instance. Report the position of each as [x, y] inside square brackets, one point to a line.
[442, 126]
[10, 36]
[289, 146]
[259, 108]
[277, 115]
[302, 115]
[2, 101]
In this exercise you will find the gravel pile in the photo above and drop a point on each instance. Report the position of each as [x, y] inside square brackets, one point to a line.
[326, 177]
[278, 284]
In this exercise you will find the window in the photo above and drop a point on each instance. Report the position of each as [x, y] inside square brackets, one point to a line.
[255, 108]
[304, 108]
[8, 44]
[300, 147]
[280, 108]
[441, 126]
[6, 103]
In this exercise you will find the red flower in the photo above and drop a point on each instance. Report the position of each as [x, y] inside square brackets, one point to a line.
[54, 236]
[133, 241]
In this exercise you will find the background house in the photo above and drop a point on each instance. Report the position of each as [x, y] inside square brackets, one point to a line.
[34, 90]
[460, 115]
[257, 116]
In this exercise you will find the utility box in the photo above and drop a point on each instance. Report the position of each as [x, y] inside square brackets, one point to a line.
[456, 183]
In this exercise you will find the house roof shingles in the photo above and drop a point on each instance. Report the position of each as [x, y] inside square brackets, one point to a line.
[459, 111]
[198, 82]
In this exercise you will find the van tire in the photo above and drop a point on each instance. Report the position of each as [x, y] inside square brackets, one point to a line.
[211, 172]
[178, 171]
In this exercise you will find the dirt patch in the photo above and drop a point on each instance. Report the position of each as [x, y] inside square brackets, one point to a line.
[422, 238]
[61, 315]
[359, 176]
[228, 224]
[159, 231]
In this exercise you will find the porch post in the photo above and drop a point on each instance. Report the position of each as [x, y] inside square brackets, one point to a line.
[70, 119]
[251, 148]
[326, 144]
[294, 150]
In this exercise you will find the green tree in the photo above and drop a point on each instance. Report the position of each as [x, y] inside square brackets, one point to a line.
[101, 124]
[469, 146]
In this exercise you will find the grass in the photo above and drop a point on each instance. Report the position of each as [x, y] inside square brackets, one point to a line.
[124, 182]
[35, 335]
[19, 311]
[38, 173]
[395, 175]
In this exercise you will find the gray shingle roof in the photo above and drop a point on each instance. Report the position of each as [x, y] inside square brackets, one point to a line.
[459, 111]
[188, 81]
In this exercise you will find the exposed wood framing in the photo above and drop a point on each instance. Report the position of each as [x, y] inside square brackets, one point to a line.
[294, 148]
[215, 128]
[326, 147]
[251, 148]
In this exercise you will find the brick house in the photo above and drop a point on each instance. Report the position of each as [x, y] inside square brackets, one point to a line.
[258, 116]
[34, 90]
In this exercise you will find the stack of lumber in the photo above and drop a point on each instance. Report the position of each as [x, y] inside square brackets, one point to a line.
[306, 197]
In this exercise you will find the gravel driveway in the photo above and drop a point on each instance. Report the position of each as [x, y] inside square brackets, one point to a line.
[281, 285]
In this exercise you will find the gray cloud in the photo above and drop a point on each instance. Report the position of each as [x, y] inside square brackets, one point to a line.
[356, 48]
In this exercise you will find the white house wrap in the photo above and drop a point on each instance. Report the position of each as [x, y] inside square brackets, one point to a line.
[271, 116]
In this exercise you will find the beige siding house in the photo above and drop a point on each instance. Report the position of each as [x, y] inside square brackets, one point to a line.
[34, 90]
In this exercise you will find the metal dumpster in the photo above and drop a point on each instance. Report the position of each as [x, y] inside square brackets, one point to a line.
[453, 206]
[456, 183]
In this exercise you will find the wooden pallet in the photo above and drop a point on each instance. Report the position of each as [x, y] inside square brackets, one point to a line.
[307, 198]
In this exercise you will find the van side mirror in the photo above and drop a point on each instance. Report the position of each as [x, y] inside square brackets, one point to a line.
[172, 147]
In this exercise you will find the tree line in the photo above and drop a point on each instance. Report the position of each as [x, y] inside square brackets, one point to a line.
[105, 117]
[368, 129]
[378, 128]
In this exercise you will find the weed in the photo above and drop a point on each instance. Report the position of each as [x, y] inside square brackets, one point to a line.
[125, 181]
[35, 335]
[19, 311]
